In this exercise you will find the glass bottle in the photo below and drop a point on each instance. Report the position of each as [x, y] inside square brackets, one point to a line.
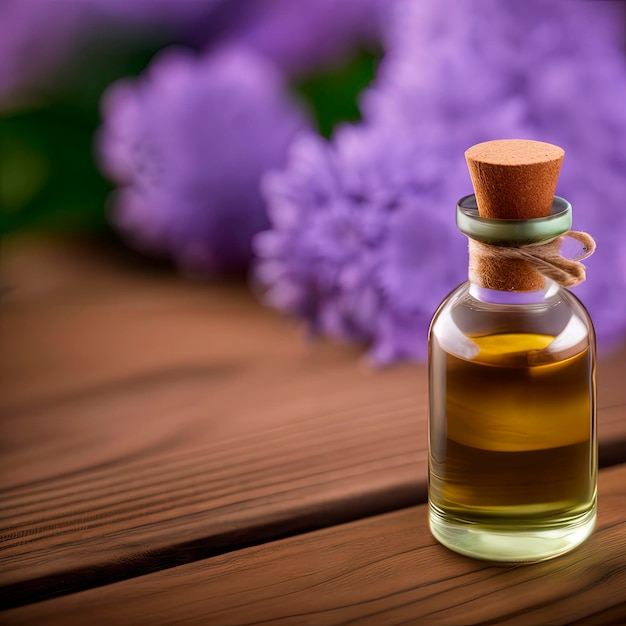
[512, 430]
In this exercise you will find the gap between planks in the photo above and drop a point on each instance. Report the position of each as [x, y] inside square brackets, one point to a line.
[381, 570]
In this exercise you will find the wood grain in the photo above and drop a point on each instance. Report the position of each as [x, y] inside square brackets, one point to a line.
[382, 570]
[147, 422]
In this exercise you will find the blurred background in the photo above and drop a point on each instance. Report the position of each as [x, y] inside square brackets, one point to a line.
[190, 190]
[312, 147]
[58, 57]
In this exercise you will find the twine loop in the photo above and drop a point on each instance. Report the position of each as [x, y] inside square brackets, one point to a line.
[546, 258]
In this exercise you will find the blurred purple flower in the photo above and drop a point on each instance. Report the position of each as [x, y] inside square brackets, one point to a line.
[359, 247]
[34, 36]
[459, 72]
[39, 38]
[301, 35]
[363, 242]
[188, 143]
[166, 12]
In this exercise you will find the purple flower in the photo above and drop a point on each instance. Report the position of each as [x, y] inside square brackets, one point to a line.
[359, 247]
[188, 143]
[161, 12]
[34, 36]
[363, 242]
[40, 38]
[460, 72]
[459, 56]
[300, 35]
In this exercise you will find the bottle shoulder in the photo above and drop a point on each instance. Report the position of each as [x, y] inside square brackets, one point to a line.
[554, 322]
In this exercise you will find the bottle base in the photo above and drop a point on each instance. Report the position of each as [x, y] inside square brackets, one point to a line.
[528, 544]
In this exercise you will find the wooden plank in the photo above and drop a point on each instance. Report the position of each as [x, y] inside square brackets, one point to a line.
[147, 422]
[383, 570]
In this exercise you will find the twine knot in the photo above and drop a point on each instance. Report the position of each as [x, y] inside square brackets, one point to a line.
[546, 258]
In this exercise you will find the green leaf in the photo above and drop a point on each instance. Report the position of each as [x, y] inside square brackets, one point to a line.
[333, 95]
[49, 178]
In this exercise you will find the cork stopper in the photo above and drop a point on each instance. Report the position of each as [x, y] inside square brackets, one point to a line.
[514, 178]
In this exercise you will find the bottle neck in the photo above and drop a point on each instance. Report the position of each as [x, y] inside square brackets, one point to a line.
[496, 296]
[500, 273]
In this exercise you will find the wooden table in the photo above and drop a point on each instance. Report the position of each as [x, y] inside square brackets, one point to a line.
[174, 453]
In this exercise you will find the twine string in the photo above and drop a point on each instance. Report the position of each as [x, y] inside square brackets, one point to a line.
[546, 258]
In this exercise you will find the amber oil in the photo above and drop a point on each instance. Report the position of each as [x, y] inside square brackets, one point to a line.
[512, 428]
